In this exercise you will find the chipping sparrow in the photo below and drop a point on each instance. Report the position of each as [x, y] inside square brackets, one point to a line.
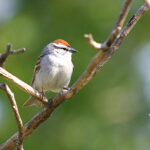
[53, 69]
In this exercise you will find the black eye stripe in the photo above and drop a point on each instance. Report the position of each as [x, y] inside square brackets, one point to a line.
[65, 49]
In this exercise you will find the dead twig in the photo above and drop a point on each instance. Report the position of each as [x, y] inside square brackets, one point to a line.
[115, 31]
[8, 52]
[19, 140]
[92, 42]
[126, 30]
[119, 23]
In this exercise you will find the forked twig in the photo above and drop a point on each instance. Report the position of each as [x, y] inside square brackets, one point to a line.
[27, 88]
[19, 140]
[8, 52]
[115, 31]
[119, 23]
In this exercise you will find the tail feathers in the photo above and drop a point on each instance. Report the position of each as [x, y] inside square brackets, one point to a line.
[32, 101]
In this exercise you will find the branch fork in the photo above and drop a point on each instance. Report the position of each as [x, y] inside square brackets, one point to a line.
[115, 31]
[19, 139]
[8, 52]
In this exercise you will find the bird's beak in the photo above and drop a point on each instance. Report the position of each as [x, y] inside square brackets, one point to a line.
[72, 50]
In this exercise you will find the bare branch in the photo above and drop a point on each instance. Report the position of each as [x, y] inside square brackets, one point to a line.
[131, 23]
[116, 29]
[119, 23]
[92, 42]
[8, 52]
[96, 64]
[27, 88]
[28, 128]
[16, 114]
[102, 57]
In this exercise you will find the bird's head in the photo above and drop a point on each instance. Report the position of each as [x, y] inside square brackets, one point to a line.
[61, 46]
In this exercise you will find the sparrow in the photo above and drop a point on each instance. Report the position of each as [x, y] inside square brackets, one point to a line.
[53, 70]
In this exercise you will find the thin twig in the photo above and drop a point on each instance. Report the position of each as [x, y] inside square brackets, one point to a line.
[27, 88]
[16, 114]
[96, 64]
[119, 23]
[130, 24]
[8, 52]
[102, 56]
[92, 42]
[115, 31]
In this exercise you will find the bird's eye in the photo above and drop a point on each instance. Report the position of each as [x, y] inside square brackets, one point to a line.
[65, 49]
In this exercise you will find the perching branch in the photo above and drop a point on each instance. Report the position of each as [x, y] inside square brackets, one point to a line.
[27, 88]
[8, 52]
[19, 141]
[95, 65]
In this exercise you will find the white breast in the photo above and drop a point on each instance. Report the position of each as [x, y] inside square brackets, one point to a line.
[55, 73]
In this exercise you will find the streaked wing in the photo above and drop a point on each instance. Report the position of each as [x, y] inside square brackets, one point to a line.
[37, 67]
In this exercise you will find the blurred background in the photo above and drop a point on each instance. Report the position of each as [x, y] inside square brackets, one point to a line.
[111, 112]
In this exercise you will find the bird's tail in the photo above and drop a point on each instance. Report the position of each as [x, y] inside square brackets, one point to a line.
[32, 101]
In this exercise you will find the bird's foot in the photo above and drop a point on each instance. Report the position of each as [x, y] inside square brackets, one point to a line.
[43, 93]
[66, 88]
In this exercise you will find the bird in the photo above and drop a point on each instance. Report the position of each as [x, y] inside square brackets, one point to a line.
[53, 70]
